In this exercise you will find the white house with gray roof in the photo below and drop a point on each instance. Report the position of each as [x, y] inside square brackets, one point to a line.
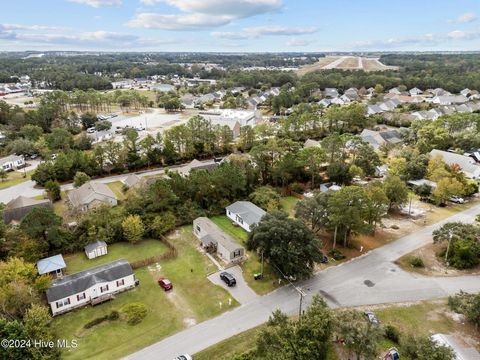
[245, 214]
[210, 235]
[91, 286]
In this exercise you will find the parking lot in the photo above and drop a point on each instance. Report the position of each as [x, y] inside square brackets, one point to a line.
[149, 122]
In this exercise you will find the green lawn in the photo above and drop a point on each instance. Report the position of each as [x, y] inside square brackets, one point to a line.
[253, 264]
[194, 299]
[288, 204]
[117, 187]
[124, 250]
[15, 178]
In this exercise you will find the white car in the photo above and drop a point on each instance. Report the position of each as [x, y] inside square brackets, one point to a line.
[183, 357]
[457, 200]
[139, 127]
[91, 130]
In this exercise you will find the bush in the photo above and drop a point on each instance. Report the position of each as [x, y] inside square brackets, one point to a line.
[394, 227]
[416, 261]
[336, 254]
[134, 312]
[392, 334]
[114, 315]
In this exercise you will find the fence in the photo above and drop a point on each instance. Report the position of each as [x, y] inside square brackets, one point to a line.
[170, 254]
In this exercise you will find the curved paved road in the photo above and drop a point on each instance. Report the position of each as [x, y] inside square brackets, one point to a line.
[370, 279]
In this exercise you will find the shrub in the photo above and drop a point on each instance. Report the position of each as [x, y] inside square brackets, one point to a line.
[416, 261]
[394, 227]
[392, 334]
[336, 254]
[114, 315]
[134, 312]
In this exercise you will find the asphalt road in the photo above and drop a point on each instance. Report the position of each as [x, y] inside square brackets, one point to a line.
[367, 280]
[28, 188]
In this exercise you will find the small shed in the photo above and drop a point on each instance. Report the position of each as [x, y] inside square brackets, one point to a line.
[52, 265]
[96, 249]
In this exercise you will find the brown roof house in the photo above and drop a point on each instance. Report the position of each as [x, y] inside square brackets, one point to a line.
[90, 195]
[18, 208]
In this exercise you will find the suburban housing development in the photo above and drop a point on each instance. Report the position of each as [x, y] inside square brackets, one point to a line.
[239, 180]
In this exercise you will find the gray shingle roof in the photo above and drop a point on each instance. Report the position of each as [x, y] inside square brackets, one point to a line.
[249, 212]
[81, 281]
[215, 235]
[95, 245]
[79, 196]
[52, 263]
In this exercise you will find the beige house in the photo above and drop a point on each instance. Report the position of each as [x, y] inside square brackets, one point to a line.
[211, 236]
[90, 195]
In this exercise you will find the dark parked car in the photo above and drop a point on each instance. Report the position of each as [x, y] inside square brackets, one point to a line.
[228, 278]
[165, 284]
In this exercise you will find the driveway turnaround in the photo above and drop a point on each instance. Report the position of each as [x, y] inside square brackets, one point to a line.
[367, 280]
[241, 292]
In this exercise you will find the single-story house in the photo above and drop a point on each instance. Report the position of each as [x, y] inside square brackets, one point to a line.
[132, 180]
[245, 214]
[422, 182]
[311, 143]
[415, 91]
[329, 187]
[210, 235]
[12, 162]
[466, 164]
[96, 249]
[18, 208]
[195, 165]
[90, 195]
[381, 170]
[373, 110]
[91, 286]
[52, 265]
[330, 93]
[378, 138]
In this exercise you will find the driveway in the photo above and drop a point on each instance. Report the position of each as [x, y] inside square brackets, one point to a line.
[241, 292]
[371, 279]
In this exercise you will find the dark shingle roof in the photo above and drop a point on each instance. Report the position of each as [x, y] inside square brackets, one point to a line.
[81, 281]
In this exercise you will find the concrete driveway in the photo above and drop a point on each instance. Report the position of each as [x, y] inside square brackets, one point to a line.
[241, 292]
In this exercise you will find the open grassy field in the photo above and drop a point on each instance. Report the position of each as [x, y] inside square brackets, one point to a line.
[317, 66]
[194, 299]
[288, 204]
[15, 178]
[350, 63]
[117, 187]
[253, 263]
[124, 250]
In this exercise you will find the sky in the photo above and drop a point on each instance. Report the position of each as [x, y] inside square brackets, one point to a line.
[240, 25]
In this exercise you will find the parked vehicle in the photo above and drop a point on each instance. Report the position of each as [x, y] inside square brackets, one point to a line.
[165, 284]
[371, 317]
[139, 127]
[457, 200]
[91, 130]
[53, 156]
[183, 357]
[228, 279]
[392, 354]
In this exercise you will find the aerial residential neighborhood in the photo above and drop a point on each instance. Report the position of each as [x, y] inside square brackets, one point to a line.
[239, 180]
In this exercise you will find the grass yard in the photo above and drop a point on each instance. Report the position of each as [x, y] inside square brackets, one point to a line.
[15, 178]
[117, 187]
[253, 264]
[194, 299]
[288, 204]
[124, 250]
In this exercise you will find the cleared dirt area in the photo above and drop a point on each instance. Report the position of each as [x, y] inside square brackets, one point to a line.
[345, 63]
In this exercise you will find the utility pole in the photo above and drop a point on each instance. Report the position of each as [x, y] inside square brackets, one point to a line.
[261, 271]
[450, 235]
[297, 289]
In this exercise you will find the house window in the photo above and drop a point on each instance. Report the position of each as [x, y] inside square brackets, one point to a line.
[237, 253]
[120, 282]
[228, 212]
[63, 303]
[198, 228]
[239, 219]
[81, 297]
[103, 288]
